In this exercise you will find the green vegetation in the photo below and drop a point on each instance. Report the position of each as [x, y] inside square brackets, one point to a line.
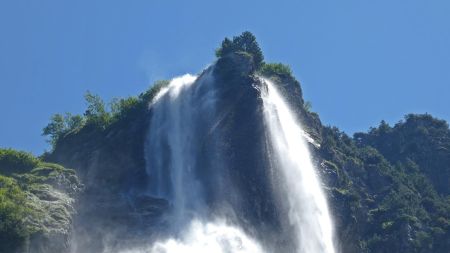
[121, 107]
[13, 213]
[60, 125]
[397, 176]
[279, 69]
[246, 42]
[34, 198]
[153, 91]
[98, 115]
[420, 139]
[12, 161]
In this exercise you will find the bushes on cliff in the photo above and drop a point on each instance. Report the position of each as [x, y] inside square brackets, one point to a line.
[246, 42]
[12, 161]
[275, 69]
[96, 115]
[96, 112]
[13, 213]
[99, 115]
[399, 207]
[62, 124]
[412, 210]
[153, 91]
[419, 138]
[35, 198]
[121, 107]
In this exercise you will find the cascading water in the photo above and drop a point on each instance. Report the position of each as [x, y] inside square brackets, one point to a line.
[308, 210]
[184, 114]
[212, 237]
[172, 130]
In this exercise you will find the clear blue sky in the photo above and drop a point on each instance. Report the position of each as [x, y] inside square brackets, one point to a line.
[359, 61]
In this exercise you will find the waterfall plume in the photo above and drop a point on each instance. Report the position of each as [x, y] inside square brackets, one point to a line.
[308, 210]
[187, 164]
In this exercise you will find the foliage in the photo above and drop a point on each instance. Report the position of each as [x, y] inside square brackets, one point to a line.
[12, 161]
[153, 91]
[28, 202]
[13, 213]
[389, 168]
[120, 108]
[421, 139]
[55, 128]
[96, 113]
[60, 125]
[246, 42]
[404, 210]
[279, 69]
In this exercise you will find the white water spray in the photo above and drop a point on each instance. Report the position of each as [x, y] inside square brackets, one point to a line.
[308, 210]
[213, 237]
[170, 146]
[182, 113]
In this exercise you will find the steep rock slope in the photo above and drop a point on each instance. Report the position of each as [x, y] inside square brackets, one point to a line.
[37, 204]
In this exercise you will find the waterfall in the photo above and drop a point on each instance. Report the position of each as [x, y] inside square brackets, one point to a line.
[184, 118]
[308, 210]
[173, 145]
[212, 237]
[182, 112]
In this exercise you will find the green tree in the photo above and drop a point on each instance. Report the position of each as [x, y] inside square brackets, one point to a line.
[246, 42]
[148, 95]
[120, 108]
[74, 121]
[279, 69]
[96, 112]
[60, 125]
[226, 48]
[55, 128]
[13, 213]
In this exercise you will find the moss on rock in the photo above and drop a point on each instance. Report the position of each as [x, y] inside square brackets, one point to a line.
[36, 203]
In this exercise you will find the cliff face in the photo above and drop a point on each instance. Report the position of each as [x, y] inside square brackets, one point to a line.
[37, 204]
[110, 162]
[382, 200]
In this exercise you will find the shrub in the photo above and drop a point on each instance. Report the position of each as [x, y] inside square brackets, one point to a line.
[120, 108]
[12, 161]
[148, 95]
[246, 42]
[60, 125]
[96, 113]
[278, 69]
[13, 213]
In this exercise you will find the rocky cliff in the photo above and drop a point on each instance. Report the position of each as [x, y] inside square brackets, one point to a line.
[37, 204]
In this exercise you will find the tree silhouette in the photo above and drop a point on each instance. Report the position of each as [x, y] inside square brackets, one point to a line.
[246, 42]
